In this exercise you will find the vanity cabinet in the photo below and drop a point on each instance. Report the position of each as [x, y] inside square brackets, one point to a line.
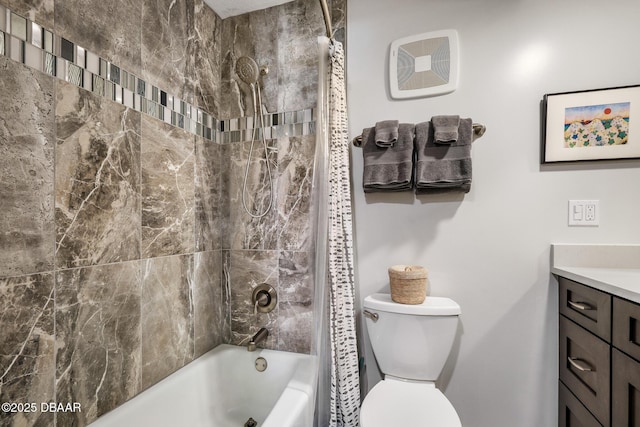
[625, 391]
[572, 412]
[585, 349]
[625, 386]
[599, 346]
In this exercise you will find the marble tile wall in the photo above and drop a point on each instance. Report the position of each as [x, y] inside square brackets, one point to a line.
[295, 290]
[277, 248]
[283, 38]
[166, 56]
[210, 302]
[27, 132]
[119, 232]
[97, 180]
[27, 360]
[167, 313]
[205, 58]
[40, 11]
[168, 188]
[110, 244]
[110, 28]
[209, 193]
[98, 349]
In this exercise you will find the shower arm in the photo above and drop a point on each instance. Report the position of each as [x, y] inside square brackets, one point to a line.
[327, 18]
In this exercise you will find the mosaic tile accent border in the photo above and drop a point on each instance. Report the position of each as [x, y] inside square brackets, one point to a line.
[276, 125]
[31, 44]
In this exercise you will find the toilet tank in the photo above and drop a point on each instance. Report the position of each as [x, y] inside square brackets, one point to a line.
[411, 341]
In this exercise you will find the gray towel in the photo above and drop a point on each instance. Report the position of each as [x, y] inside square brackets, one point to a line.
[440, 167]
[386, 133]
[445, 129]
[388, 169]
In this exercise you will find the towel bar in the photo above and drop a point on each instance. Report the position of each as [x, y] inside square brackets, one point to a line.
[478, 130]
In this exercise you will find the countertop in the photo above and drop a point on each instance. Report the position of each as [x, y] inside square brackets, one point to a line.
[614, 269]
[622, 282]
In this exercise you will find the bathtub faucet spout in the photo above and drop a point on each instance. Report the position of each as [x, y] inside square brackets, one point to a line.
[259, 337]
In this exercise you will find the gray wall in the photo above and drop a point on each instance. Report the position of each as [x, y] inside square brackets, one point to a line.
[489, 250]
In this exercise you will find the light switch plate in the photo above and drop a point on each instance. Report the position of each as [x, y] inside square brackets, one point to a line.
[584, 213]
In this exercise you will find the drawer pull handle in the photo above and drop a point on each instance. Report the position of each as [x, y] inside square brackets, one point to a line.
[371, 315]
[582, 306]
[580, 364]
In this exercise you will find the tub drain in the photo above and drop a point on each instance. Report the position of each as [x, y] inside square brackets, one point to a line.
[251, 423]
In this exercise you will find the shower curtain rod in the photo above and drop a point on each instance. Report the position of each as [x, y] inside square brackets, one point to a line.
[327, 18]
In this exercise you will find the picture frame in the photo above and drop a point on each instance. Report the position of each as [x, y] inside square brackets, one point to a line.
[590, 125]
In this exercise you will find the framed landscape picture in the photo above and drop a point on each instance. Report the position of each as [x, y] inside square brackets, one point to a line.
[599, 124]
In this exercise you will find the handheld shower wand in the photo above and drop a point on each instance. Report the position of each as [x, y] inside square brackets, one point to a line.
[248, 71]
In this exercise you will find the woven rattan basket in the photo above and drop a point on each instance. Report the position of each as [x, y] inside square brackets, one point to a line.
[408, 284]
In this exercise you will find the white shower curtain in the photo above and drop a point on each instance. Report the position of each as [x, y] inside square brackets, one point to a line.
[345, 389]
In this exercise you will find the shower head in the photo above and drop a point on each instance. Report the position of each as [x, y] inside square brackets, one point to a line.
[247, 70]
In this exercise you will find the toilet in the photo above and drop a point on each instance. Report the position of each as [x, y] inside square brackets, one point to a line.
[411, 344]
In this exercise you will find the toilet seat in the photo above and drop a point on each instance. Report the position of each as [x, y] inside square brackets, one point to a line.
[394, 402]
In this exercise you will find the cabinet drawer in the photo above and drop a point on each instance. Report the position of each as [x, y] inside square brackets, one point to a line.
[587, 307]
[572, 413]
[585, 368]
[625, 391]
[626, 327]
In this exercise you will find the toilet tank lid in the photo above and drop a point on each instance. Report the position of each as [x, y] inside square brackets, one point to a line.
[432, 306]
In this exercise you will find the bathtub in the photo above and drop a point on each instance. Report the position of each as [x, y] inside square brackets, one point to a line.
[223, 388]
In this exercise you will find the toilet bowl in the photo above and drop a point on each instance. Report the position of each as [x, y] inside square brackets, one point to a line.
[411, 344]
[393, 402]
